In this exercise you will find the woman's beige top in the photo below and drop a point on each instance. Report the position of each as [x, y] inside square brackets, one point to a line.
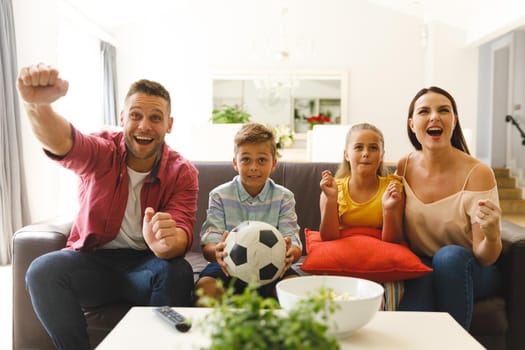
[430, 226]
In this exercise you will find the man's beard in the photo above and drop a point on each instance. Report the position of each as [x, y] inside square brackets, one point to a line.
[153, 153]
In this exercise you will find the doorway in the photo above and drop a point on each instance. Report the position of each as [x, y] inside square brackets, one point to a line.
[500, 95]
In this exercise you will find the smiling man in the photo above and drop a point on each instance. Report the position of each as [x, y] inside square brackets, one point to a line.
[138, 199]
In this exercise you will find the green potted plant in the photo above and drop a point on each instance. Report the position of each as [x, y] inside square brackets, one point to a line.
[248, 321]
[230, 115]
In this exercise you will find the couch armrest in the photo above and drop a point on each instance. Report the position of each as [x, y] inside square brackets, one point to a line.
[28, 243]
[513, 263]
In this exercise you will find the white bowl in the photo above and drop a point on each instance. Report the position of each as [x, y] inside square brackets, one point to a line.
[352, 314]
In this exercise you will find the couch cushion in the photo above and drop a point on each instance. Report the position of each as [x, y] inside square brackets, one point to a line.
[197, 261]
[489, 317]
[102, 319]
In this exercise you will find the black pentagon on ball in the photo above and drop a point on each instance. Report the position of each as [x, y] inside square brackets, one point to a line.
[268, 238]
[238, 254]
[268, 272]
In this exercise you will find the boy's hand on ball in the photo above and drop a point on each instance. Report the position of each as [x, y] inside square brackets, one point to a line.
[291, 252]
[220, 254]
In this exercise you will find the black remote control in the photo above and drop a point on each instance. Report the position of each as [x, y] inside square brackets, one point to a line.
[174, 318]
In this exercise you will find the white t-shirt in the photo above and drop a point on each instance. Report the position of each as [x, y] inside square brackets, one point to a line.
[130, 234]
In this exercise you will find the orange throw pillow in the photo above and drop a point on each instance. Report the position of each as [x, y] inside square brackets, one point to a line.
[361, 253]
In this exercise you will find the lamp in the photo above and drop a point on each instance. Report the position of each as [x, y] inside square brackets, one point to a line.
[275, 90]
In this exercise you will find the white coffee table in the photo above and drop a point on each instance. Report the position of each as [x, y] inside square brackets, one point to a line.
[142, 329]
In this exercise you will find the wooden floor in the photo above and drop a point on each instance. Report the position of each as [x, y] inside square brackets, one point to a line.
[5, 307]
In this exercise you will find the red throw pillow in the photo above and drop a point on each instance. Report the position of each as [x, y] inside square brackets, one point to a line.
[359, 253]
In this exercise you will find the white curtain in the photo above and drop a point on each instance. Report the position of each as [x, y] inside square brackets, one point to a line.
[11, 186]
[109, 83]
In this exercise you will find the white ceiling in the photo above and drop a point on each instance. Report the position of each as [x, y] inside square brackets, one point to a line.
[469, 15]
[111, 13]
[457, 13]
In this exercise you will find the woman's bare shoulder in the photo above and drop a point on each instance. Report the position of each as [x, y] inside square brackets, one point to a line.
[481, 176]
[402, 163]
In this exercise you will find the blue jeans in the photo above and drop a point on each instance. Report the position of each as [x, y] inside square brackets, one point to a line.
[456, 282]
[62, 282]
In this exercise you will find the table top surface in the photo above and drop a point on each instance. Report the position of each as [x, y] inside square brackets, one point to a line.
[141, 329]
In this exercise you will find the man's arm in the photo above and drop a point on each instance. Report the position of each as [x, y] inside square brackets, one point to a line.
[39, 86]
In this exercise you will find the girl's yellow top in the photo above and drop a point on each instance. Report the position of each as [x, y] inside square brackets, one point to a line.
[369, 213]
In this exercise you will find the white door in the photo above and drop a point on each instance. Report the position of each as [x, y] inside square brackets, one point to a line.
[501, 98]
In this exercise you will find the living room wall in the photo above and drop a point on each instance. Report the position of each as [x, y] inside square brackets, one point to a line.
[383, 52]
[38, 41]
[46, 34]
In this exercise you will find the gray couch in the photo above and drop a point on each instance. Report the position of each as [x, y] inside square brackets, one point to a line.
[499, 322]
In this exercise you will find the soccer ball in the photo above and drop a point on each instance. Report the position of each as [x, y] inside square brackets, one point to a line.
[256, 252]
